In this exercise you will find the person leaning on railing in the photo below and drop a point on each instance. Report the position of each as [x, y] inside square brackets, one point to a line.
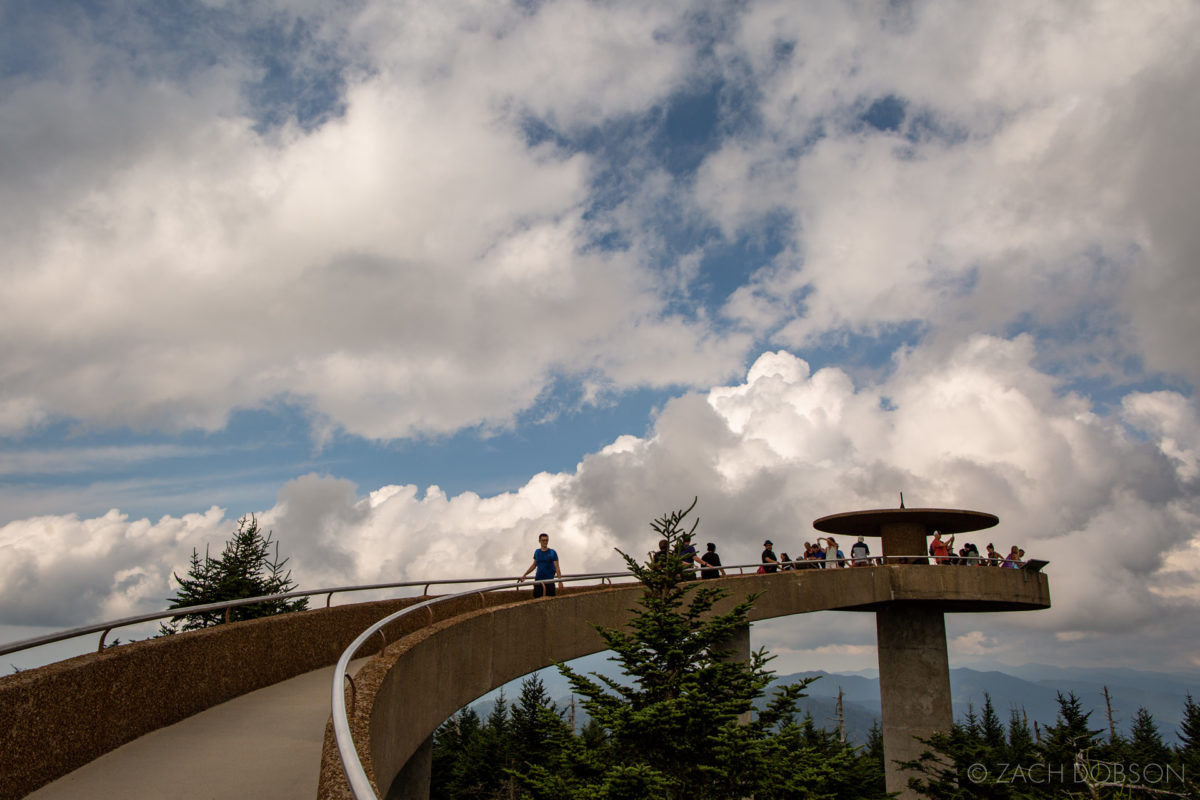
[769, 560]
[545, 561]
[711, 563]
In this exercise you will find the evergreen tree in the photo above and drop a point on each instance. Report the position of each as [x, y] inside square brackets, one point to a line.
[1145, 744]
[1189, 728]
[245, 568]
[1069, 735]
[970, 723]
[1188, 752]
[991, 730]
[448, 747]
[871, 763]
[482, 769]
[672, 730]
[956, 767]
[460, 749]
[535, 721]
[874, 747]
[1068, 741]
[1021, 749]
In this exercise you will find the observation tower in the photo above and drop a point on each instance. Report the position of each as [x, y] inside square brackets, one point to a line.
[914, 668]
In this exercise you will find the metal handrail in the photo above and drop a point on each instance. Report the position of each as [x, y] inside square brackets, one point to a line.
[105, 627]
[883, 560]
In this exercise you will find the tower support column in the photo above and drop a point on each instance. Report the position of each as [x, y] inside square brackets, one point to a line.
[914, 684]
[739, 644]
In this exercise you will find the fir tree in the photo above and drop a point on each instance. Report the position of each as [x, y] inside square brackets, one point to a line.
[1189, 728]
[991, 730]
[459, 751]
[245, 568]
[672, 729]
[482, 770]
[1069, 740]
[535, 723]
[1188, 752]
[1145, 744]
[1071, 763]
[448, 747]
[1021, 748]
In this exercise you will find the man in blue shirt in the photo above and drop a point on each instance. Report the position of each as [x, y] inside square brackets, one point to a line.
[545, 561]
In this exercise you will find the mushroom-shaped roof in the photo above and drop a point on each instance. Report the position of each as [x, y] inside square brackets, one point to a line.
[871, 522]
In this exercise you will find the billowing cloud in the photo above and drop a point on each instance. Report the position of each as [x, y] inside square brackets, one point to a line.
[1036, 174]
[411, 219]
[418, 218]
[411, 264]
[1105, 499]
[64, 571]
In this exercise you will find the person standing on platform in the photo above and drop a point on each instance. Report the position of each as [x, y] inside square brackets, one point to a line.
[711, 563]
[545, 561]
[860, 553]
[770, 562]
[833, 557]
[941, 550]
[688, 554]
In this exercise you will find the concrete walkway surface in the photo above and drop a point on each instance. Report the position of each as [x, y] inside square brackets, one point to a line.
[265, 745]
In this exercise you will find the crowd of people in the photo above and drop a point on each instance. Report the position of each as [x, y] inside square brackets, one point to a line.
[824, 553]
[942, 552]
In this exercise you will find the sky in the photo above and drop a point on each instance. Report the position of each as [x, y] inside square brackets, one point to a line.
[412, 282]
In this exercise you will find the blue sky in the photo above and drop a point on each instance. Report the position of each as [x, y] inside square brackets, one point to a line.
[414, 282]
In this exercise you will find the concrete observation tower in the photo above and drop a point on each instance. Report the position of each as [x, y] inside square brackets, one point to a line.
[914, 668]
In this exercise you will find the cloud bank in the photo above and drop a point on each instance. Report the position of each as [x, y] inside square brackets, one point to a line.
[1110, 500]
[414, 219]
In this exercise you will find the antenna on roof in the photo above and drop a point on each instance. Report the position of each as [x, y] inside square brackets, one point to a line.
[902, 499]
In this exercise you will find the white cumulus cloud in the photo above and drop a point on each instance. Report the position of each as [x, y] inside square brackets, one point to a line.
[983, 429]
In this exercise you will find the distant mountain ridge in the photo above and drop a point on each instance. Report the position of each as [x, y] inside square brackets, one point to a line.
[1034, 696]
[1031, 689]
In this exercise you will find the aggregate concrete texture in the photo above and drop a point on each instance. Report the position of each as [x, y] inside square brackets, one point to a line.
[264, 745]
[56, 718]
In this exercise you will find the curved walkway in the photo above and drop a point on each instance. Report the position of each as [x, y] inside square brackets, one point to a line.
[264, 745]
[267, 742]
